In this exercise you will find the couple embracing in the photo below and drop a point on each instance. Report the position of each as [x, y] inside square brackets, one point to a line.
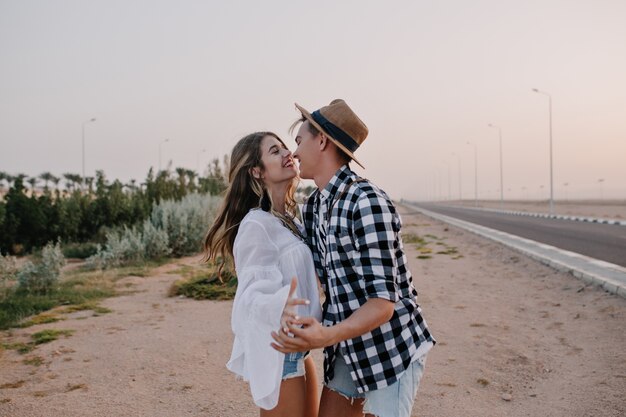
[367, 319]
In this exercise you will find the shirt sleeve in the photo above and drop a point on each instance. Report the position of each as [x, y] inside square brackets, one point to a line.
[257, 308]
[261, 295]
[375, 235]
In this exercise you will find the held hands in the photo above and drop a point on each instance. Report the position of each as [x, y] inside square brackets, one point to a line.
[289, 312]
[299, 334]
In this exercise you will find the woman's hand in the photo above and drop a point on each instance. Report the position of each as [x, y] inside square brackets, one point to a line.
[289, 312]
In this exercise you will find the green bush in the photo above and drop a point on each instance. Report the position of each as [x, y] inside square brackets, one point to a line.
[80, 250]
[43, 275]
[204, 288]
[8, 274]
[174, 228]
[77, 209]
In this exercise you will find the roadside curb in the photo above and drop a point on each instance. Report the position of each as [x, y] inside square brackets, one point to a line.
[608, 276]
[545, 215]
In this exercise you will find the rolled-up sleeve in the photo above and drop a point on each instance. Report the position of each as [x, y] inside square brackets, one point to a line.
[375, 234]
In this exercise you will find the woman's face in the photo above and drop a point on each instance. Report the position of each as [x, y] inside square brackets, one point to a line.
[278, 163]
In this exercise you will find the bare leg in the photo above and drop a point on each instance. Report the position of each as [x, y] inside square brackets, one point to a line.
[291, 401]
[333, 404]
[312, 391]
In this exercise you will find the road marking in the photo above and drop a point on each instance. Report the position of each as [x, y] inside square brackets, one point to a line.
[609, 276]
[614, 222]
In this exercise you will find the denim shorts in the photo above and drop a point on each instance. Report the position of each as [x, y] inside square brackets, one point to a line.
[395, 400]
[294, 365]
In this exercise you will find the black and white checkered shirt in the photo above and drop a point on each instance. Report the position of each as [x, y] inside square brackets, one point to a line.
[358, 255]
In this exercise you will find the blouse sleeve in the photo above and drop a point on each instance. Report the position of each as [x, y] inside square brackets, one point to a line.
[257, 308]
[261, 295]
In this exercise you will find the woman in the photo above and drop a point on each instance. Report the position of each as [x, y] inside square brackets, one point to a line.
[257, 227]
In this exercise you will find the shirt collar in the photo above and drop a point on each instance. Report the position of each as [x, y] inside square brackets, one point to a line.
[340, 177]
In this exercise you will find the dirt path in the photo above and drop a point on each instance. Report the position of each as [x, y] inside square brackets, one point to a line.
[515, 339]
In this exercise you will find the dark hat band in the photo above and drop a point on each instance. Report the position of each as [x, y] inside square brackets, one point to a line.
[336, 133]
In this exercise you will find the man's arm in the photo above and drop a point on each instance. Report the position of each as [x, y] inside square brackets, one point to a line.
[374, 313]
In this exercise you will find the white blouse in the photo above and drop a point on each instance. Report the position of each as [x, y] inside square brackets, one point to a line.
[267, 256]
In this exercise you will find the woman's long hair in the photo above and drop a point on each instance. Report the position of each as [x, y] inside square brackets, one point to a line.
[245, 192]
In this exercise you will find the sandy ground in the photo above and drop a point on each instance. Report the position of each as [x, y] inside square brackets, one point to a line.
[515, 339]
[606, 209]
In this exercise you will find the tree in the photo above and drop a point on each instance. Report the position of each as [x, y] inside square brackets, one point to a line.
[24, 223]
[47, 177]
[72, 180]
[3, 177]
[33, 183]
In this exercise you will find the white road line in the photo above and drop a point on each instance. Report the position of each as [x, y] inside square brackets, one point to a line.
[609, 276]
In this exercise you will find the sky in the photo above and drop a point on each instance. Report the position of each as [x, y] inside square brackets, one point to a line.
[426, 77]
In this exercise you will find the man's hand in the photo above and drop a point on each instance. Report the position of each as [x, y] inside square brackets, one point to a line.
[289, 312]
[307, 333]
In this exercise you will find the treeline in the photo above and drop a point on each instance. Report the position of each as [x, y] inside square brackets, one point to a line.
[38, 210]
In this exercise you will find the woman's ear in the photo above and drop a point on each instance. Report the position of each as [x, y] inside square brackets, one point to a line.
[255, 172]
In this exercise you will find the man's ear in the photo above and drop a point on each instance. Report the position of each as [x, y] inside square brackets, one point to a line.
[323, 141]
[255, 172]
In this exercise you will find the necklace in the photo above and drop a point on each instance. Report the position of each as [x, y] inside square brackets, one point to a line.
[293, 228]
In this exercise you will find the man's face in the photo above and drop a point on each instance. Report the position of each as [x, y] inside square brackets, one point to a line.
[308, 151]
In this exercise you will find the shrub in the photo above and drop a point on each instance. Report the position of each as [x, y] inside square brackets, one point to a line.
[185, 222]
[43, 275]
[155, 241]
[122, 247]
[8, 273]
[80, 250]
[174, 228]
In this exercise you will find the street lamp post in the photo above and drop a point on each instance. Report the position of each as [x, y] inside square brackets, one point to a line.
[93, 119]
[501, 175]
[161, 143]
[449, 184]
[475, 173]
[600, 181]
[459, 168]
[551, 180]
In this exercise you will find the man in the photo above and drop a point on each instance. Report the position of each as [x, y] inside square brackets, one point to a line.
[374, 337]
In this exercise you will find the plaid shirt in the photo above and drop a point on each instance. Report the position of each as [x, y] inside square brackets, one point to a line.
[358, 255]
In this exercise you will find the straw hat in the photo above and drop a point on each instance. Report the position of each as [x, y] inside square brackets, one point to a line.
[340, 124]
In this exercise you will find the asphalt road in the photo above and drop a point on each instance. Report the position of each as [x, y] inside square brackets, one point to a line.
[599, 241]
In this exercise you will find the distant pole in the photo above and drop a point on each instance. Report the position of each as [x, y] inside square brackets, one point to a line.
[449, 183]
[198, 160]
[161, 143]
[501, 175]
[475, 173]
[439, 192]
[93, 119]
[459, 169]
[600, 181]
[551, 177]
